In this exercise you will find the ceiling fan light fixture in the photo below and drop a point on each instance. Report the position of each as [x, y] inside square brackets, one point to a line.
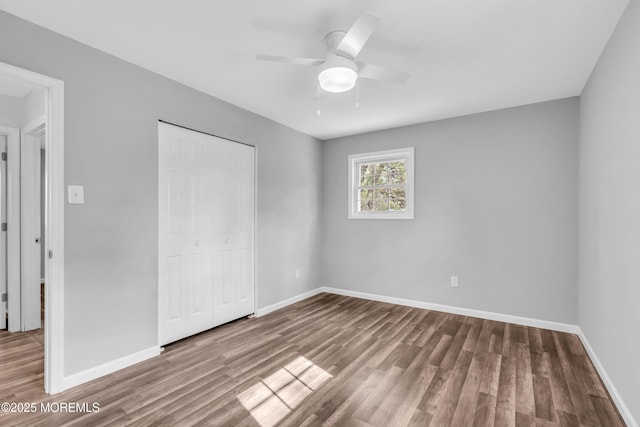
[338, 75]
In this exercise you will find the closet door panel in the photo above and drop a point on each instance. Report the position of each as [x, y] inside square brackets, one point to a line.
[172, 234]
[233, 225]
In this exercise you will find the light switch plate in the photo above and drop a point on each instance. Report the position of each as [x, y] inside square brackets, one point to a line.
[76, 194]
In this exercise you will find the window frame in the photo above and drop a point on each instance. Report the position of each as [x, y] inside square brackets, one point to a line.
[355, 160]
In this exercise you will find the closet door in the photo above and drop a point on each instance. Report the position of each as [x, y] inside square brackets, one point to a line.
[206, 232]
[184, 240]
[233, 226]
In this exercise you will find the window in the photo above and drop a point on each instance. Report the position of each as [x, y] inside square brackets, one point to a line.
[381, 185]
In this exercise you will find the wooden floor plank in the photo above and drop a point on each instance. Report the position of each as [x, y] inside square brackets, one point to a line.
[506, 399]
[543, 402]
[525, 402]
[485, 412]
[468, 400]
[333, 360]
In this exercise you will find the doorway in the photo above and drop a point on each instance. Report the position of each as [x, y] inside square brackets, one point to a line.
[46, 132]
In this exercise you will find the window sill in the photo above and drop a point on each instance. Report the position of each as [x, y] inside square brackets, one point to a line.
[404, 215]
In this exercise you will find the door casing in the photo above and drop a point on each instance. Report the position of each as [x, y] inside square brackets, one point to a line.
[54, 221]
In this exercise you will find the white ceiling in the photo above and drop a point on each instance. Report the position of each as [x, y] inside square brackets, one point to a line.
[465, 56]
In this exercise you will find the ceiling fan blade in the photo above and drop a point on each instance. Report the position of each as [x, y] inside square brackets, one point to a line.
[376, 72]
[358, 34]
[287, 60]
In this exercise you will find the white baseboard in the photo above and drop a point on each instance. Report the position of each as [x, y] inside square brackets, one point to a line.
[508, 318]
[109, 367]
[617, 399]
[273, 307]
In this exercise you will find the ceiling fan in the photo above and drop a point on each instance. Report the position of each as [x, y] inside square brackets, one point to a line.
[339, 70]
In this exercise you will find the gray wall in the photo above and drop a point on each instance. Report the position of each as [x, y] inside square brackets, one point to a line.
[610, 208]
[496, 205]
[111, 114]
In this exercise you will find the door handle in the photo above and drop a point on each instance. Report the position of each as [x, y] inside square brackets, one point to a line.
[37, 240]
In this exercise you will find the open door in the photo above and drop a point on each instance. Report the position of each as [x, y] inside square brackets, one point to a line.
[30, 234]
[3, 233]
[11, 227]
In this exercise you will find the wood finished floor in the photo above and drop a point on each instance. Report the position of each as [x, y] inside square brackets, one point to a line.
[334, 360]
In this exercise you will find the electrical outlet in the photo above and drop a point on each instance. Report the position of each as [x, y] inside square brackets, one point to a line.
[454, 281]
[297, 273]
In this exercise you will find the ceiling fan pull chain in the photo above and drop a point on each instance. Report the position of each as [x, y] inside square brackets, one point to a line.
[318, 99]
[357, 93]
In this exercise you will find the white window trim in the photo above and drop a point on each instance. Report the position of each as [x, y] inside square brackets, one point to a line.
[406, 154]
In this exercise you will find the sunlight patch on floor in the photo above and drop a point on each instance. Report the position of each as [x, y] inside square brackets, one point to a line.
[275, 396]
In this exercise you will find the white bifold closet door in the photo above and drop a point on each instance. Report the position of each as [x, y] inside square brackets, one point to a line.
[206, 232]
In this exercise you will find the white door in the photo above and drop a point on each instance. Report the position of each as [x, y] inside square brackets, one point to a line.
[206, 240]
[11, 211]
[185, 247]
[3, 234]
[30, 300]
[198, 246]
[233, 225]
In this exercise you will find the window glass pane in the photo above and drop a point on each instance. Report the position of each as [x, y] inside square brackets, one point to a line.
[381, 193]
[366, 205]
[383, 168]
[398, 178]
[381, 179]
[367, 172]
[381, 199]
[397, 192]
[381, 204]
[398, 172]
[397, 204]
[398, 166]
[366, 194]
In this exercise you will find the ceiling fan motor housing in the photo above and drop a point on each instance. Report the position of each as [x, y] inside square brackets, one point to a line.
[333, 39]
